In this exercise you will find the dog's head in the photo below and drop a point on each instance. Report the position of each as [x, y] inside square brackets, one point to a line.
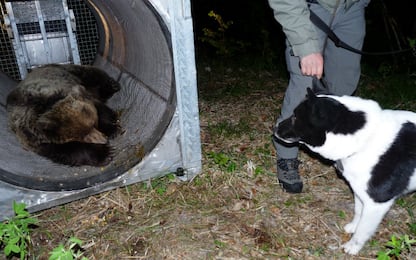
[310, 122]
[318, 118]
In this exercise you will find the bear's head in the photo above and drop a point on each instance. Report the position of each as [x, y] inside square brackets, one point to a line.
[71, 119]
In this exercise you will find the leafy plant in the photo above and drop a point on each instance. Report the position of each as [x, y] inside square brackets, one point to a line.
[341, 214]
[319, 251]
[217, 38]
[219, 243]
[408, 206]
[395, 247]
[72, 251]
[15, 232]
[223, 161]
[160, 185]
[412, 225]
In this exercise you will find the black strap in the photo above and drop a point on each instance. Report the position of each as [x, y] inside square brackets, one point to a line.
[337, 41]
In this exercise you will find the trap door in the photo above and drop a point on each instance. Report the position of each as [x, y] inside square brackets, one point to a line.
[42, 32]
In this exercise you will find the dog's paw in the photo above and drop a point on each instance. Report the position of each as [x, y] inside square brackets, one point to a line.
[352, 247]
[350, 227]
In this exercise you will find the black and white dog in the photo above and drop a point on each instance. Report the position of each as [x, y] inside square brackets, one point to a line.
[376, 148]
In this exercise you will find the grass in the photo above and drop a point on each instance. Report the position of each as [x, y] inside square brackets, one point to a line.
[235, 208]
[394, 91]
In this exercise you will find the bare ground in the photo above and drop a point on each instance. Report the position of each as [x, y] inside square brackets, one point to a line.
[234, 209]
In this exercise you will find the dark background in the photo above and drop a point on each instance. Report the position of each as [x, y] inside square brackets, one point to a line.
[253, 34]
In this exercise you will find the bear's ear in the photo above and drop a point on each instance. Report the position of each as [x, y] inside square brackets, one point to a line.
[320, 86]
[94, 137]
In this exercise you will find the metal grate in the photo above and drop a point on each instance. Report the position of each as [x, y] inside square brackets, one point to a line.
[87, 31]
[8, 63]
[86, 36]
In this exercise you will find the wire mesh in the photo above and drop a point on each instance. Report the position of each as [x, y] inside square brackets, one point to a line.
[86, 35]
[86, 31]
[8, 63]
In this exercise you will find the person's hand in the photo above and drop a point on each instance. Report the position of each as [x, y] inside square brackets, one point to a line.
[312, 65]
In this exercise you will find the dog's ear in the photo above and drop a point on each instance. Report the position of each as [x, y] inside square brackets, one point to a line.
[320, 86]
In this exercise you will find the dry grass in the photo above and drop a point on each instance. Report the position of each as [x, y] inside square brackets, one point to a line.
[233, 209]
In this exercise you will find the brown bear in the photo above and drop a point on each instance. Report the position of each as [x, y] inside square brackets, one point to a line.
[59, 112]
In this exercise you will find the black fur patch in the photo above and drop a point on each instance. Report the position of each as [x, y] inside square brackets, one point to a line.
[107, 120]
[77, 154]
[391, 175]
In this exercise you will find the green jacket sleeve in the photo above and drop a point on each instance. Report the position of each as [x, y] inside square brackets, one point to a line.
[293, 15]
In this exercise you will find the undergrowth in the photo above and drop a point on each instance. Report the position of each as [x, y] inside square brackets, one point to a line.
[15, 232]
[15, 238]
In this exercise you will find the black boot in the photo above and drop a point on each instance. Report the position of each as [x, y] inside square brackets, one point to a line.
[288, 175]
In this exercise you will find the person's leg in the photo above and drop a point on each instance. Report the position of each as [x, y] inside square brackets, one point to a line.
[287, 163]
[295, 93]
[342, 67]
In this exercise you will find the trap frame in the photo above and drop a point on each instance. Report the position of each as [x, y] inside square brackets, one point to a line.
[151, 54]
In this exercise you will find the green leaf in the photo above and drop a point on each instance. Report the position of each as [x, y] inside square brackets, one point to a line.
[76, 241]
[58, 253]
[13, 240]
[382, 256]
[67, 255]
[11, 248]
[19, 210]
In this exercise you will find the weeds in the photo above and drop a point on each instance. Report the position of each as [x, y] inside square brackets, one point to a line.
[412, 224]
[396, 92]
[223, 161]
[218, 38]
[341, 214]
[160, 185]
[15, 232]
[15, 237]
[396, 247]
[227, 129]
[408, 206]
[72, 251]
[219, 243]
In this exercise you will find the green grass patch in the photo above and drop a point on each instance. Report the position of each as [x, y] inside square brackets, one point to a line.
[398, 91]
[228, 129]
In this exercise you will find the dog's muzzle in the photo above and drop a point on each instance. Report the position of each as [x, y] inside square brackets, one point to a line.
[283, 132]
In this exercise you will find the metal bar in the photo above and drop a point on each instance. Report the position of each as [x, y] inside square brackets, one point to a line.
[43, 32]
[21, 56]
[186, 87]
[72, 40]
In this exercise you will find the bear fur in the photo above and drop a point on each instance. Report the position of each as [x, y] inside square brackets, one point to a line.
[59, 112]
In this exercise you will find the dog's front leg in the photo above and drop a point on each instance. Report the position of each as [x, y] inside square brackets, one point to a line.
[358, 208]
[371, 216]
